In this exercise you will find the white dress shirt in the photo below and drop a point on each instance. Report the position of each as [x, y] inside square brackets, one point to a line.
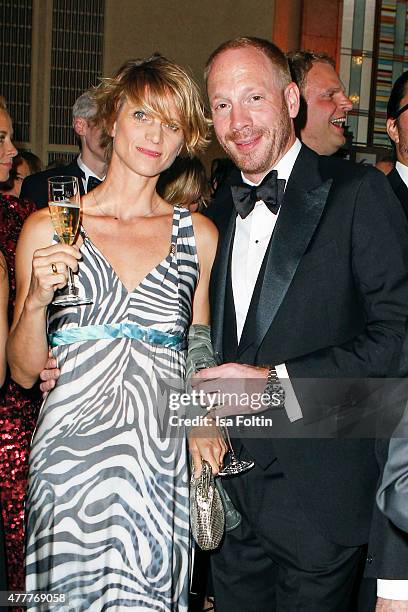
[252, 237]
[88, 172]
[402, 171]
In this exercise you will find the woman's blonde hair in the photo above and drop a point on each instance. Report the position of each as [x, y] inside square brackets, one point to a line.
[150, 83]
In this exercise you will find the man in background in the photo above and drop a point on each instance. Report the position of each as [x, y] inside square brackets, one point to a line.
[89, 166]
[388, 545]
[320, 124]
[323, 101]
[397, 128]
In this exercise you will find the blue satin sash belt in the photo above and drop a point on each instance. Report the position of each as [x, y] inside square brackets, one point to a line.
[117, 330]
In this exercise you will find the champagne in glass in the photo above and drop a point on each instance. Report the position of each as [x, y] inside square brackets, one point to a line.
[65, 219]
[64, 202]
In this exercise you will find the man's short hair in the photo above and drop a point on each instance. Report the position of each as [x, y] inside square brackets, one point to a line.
[272, 52]
[84, 107]
[300, 62]
[398, 91]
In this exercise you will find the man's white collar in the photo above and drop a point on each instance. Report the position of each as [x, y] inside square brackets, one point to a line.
[284, 166]
[87, 171]
[402, 171]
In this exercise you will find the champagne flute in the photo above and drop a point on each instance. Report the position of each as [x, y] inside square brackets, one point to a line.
[235, 466]
[64, 202]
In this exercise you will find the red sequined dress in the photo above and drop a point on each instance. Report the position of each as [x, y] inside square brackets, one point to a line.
[18, 410]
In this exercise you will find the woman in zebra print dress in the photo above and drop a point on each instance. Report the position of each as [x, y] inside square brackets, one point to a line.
[107, 509]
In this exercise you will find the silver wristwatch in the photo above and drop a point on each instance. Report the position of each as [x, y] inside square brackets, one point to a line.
[274, 389]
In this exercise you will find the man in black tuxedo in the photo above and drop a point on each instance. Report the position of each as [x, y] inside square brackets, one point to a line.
[320, 123]
[388, 542]
[397, 128]
[89, 166]
[314, 289]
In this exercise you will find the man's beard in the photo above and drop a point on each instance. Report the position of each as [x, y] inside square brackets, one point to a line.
[258, 162]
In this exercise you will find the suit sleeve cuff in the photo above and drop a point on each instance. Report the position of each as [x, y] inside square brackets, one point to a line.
[393, 589]
[292, 407]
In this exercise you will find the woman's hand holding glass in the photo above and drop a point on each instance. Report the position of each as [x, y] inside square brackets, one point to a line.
[65, 206]
[207, 442]
[214, 446]
[224, 381]
[50, 272]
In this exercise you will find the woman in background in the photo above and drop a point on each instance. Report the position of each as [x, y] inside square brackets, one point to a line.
[108, 498]
[185, 183]
[24, 164]
[3, 366]
[17, 408]
[4, 294]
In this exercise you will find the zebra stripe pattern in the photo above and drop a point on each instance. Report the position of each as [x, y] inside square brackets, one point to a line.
[108, 508]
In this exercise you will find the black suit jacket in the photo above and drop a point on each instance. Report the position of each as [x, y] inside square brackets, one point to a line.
[35, 186]
[332, 302]
[400, 189]
[388, 544]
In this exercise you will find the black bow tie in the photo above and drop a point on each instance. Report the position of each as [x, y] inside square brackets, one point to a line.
[270, 191]
[92, 183]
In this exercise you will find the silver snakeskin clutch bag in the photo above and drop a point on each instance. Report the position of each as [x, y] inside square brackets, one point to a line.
[207, 516]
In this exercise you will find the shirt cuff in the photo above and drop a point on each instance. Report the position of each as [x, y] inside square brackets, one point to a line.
[393, 589]
[292, 407]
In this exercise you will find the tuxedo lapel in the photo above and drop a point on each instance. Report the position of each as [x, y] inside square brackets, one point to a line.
[229, 332]
[303, 205]
[219, 283]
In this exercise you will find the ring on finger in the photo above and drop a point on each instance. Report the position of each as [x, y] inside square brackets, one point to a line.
[54, 268]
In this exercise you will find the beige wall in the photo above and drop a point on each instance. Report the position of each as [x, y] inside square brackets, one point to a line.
[183, 30]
